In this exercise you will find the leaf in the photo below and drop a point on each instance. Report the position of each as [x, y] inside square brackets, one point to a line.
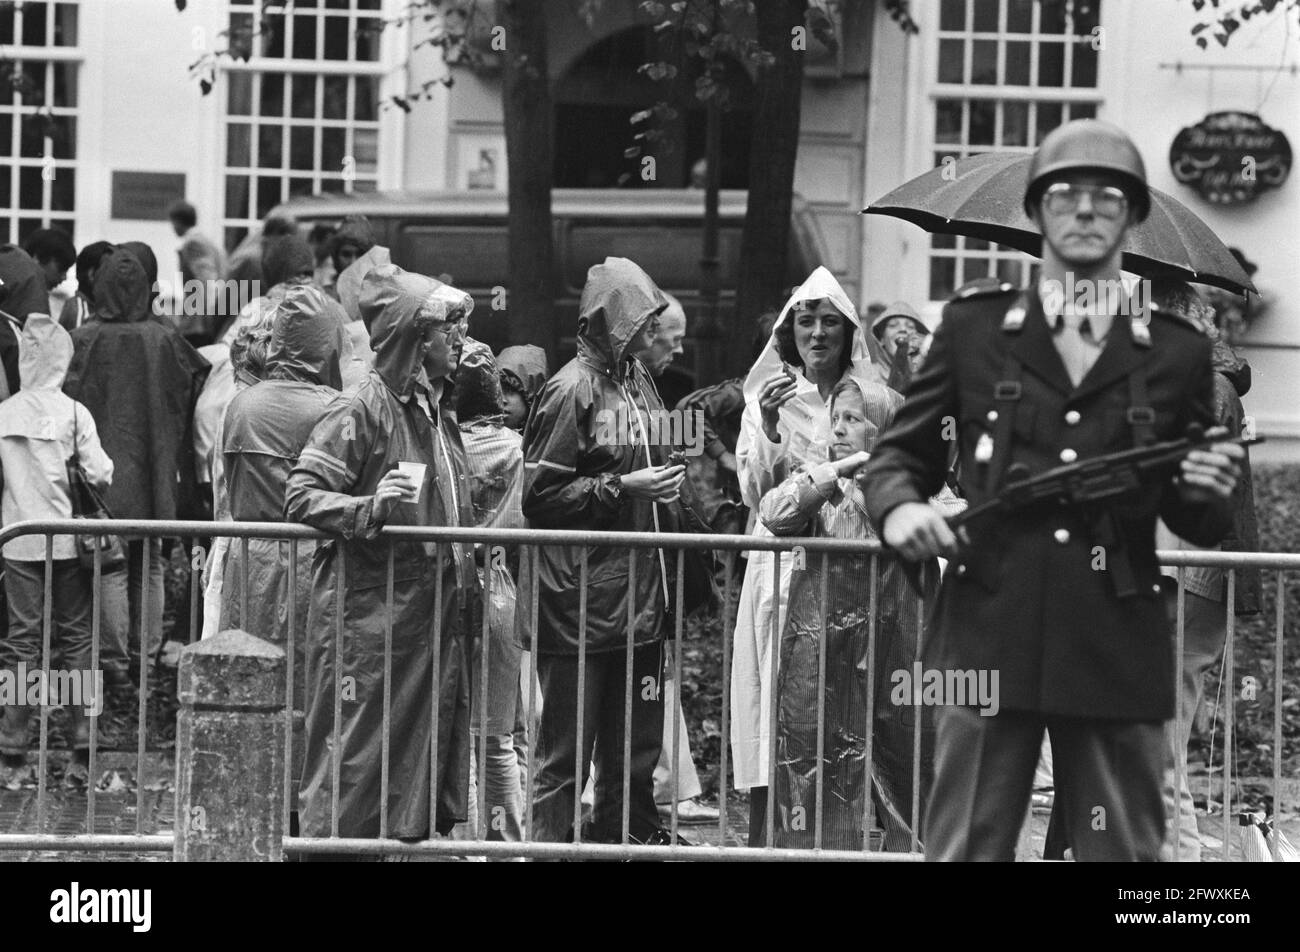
[205, 85]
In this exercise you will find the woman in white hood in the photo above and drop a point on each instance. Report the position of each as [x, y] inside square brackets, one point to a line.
[816, 342]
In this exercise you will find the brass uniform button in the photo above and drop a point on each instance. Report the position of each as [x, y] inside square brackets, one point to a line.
[1062, 536]
[1072, 417]
[1068, 455]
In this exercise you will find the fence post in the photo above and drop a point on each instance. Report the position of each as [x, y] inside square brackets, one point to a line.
[230, 751]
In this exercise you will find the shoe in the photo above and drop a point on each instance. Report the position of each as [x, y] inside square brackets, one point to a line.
[16, 776]
[689, 813]
[662, 838]
[76, 777]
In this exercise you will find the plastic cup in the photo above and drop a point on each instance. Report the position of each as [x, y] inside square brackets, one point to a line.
[416, 472]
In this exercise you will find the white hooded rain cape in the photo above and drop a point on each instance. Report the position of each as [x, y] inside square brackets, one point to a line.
[761, 465]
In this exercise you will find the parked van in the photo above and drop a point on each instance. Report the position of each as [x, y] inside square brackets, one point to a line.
[463, 235]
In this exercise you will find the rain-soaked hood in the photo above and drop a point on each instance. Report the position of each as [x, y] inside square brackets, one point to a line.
[820, 284]
[348, 284]
[46, 353]
[22, 284]
[1232, 365]
[390, 300]
[148, 260]
[121, 289]
[618, 300]
[307, 339]
[285, 258]
[525, 366]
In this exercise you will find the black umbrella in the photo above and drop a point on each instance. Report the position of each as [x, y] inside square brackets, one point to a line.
[983, 197]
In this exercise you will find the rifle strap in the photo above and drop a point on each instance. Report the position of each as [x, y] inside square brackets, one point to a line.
[1105, 525]
[1006, 399]
[1141, 417]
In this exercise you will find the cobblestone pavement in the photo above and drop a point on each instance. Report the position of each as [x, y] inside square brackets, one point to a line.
[116, 810]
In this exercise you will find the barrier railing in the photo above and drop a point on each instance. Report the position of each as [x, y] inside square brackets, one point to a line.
[484, 844]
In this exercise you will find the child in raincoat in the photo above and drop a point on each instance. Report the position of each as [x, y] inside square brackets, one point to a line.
[861, 651]
[40, 430]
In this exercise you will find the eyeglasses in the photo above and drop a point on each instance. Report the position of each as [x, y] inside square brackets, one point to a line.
[452, 331]
[1106, 201]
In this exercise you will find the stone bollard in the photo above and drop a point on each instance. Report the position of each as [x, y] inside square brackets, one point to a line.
[230, 751]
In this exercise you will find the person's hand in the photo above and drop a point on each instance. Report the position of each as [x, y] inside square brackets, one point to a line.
[727, 461]
[1212, 473]
[656, 483]
[394, 487]
[917, 532]
[849, 464]
[774, 394]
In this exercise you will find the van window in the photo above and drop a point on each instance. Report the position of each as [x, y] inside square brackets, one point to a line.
[474, 255]
[668, 252]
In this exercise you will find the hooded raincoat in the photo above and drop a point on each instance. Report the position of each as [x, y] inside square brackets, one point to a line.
[394, 416]
[22, 292]
[580, 435]
[40, 429]
[140, 380]
[496, 470]
[813, 501]
[264, 431]
[524, 368]
[804, 428]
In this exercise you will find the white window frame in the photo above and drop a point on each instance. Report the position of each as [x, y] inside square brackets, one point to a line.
[974, 263]
[13, 213]
[386, 139]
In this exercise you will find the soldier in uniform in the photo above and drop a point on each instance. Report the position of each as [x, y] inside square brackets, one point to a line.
[1062, 601]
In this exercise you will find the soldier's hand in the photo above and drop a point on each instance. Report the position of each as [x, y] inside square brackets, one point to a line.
[1213, 472]
[776, 392]
[917, 532]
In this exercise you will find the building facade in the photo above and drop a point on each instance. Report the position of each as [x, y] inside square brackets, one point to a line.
[106, 123]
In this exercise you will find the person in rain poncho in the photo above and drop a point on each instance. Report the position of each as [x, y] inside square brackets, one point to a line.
[496, 471]
[523, 370]
[347, 483]
[825, 499]
[246, 366]
[816, 342]
[591, 462]
[140, 380]
[22, 292]
[265, 429]
[40, 429]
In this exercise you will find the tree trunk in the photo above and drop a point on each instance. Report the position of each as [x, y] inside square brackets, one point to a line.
[529, 119]
[765, 243]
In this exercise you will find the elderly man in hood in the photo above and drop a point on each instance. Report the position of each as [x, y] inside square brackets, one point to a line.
[593, 460]
[347, 482]
[140, 380]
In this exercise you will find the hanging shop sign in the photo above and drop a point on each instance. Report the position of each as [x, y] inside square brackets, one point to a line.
[1230, 157]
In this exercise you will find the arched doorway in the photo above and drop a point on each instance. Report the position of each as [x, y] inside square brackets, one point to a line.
[599, 93]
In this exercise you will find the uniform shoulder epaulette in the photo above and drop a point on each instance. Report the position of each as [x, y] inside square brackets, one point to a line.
[982, 287]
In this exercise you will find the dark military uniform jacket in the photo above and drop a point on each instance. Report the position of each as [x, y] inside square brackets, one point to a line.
[1064, 602]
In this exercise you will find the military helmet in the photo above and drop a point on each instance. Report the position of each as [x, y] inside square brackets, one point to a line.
[1093, 145]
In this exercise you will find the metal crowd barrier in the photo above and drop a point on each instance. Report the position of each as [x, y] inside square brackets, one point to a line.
[727, 546]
